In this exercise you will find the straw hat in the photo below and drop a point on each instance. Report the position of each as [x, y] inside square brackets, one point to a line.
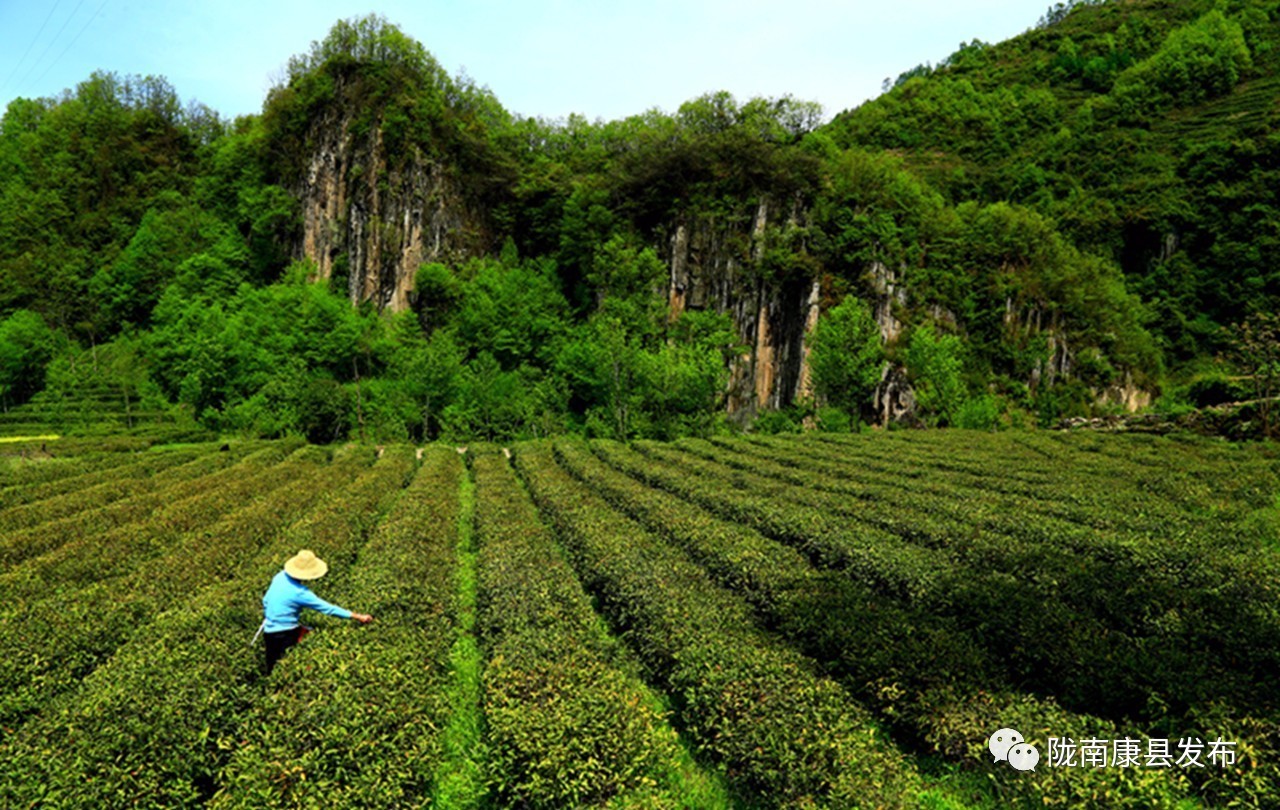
[306, 565]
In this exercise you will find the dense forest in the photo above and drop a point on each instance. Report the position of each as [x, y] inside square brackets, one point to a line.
[1082, 219]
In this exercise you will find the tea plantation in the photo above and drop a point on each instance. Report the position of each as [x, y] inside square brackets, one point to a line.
[827, 621]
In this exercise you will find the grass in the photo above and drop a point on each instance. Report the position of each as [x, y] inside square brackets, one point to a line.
[698, 787]
[460, 778]
[951, 787]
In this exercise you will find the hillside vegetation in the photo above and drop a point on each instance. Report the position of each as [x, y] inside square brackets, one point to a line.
[1069, 222]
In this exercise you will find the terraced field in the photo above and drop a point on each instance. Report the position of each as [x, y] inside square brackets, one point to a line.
[92, 402]
[825, 621]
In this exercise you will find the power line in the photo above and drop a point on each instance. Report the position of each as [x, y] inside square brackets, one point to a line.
[30, 45]
[50, 45]
[73, 40]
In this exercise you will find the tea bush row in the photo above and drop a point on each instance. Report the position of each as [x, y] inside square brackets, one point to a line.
[123, 482]
[28, 480]
[352, 718]
[1043, 610]
[93, 549]
[1216, 576]
[131, 481]
[779, 729]
[54, 642]
[924, 675]
[173, 486]
[567, 725]
[155, 725]
[19, 499]
[1073, 498]
[98, 508]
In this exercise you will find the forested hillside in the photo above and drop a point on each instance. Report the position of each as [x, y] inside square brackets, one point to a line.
[1142, 131]
[1070, 222]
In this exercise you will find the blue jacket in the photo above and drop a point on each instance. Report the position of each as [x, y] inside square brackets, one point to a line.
[286, 598]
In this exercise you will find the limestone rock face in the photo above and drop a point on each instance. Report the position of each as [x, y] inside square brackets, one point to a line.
[375, 216]
[715, 265]
[891, 296]
[1127, 394]
[373, 212]
[895, 399]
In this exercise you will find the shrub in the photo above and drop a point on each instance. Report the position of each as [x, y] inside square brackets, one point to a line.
[846, 356]
[978, 413]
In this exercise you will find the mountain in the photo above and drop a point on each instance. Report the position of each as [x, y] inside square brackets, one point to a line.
[1144, 130]
[1066, 222]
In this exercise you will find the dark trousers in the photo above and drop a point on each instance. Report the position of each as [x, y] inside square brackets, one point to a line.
[278, 642]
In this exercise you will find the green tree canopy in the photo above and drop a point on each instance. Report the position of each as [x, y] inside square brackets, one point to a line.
[846, 356]
[27, 344]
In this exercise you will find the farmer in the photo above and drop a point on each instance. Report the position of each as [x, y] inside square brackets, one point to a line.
[286, 598]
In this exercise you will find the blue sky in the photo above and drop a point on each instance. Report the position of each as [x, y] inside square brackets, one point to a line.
[546, 58]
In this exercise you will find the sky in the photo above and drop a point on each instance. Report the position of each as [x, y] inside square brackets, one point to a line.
[603, 59]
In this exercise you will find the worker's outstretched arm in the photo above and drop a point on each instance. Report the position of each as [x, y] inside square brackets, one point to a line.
[328, 608]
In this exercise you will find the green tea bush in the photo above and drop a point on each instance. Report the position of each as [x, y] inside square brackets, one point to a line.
[95, 548]
[566, 726]
[124, 481]
[56, 640]
[354, 719]
[1043, 595]
[155, 725]
[33, 481]
[186, 481]
[780, 730]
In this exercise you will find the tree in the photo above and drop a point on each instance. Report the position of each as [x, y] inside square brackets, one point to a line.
[491, 404]
[174, 241]
[26, 347]
[436, 293]
[628, 282]
[846, 356]
[682, 383]
[514, 311]
[934, 364]
[1198, 61]
[426, 370]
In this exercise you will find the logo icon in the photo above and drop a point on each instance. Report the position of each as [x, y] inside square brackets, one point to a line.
[1024, 756]
[1009, 745]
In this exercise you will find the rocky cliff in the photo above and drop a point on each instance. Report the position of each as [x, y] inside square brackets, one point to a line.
[715, 263]
[373, 215]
